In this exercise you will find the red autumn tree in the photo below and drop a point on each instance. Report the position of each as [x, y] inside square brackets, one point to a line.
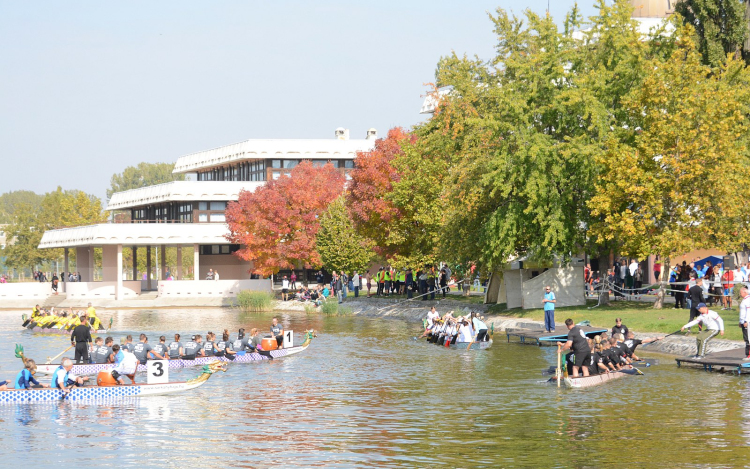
[276, 224]
[371, 182]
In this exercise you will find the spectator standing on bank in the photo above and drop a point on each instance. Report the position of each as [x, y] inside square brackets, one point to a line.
[293, 279]
[549, 301]
[356, 283]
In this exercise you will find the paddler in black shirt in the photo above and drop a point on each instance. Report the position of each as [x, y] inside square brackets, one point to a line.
[619, 328]
[81, 337]
[580, 346]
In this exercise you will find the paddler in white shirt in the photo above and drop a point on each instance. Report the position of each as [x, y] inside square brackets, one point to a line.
[713, 325]
[431, 317]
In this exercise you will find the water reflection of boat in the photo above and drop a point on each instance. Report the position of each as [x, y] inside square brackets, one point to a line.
[92, 369]
[593, 380]
[474, 346]
[107, 393]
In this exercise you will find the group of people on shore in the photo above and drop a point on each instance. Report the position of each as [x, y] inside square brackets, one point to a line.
[449, 330]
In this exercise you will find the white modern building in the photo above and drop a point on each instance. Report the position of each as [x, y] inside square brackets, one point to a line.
[189, 216]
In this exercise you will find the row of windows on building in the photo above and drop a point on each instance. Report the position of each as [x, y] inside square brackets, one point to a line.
[185, 212]
[263, 169]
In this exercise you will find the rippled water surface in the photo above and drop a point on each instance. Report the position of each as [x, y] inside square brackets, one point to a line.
[366, 394]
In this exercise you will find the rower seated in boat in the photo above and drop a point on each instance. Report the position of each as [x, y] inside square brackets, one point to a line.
[25, 378]
[277, 330]
[241, 344]
[161, 348]
[255, 342]
[143, 351]
[208, 347]
[631, 343]
[100, 353]
[63, 379]
[175, 348]
[127, 367]
[465, 331]
[224, 347]
[432, 317]
[193, 348]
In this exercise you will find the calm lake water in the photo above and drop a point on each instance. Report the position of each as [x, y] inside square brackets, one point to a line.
[364, 394]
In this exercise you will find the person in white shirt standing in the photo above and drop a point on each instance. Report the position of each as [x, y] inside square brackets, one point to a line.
[713, 324]
[745, 318]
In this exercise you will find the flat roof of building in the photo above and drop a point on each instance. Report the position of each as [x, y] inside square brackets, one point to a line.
[181, 191]
[136, 234]
[273, 148]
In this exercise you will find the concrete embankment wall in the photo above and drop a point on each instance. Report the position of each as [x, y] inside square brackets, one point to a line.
[674, 345]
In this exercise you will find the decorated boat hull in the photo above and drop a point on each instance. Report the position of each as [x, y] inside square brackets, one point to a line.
[99, 393]
[474, 346]
[593, 380]
[42, 330]
[92, 369]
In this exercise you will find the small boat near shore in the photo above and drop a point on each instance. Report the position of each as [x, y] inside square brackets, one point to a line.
[593, 380]
[484, 345]
[93, 369]
[116, 392]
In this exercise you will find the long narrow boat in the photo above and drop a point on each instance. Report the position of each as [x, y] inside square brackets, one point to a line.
[57, 330]
[97, 393]
[474, 346]
[92, 369]
[594, 380]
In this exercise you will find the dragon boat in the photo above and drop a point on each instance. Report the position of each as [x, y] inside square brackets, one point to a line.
[115, 392]
[484, 345]
[594, 380]
[58, 330]
[241, 357]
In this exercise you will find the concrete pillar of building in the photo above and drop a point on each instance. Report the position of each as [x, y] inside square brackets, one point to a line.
[109, 263]
[66, 274]
[179, 263]
[148, 268]
[163, 262]
[135, 262]
[118, 285]
[196, 262]
[83, 263]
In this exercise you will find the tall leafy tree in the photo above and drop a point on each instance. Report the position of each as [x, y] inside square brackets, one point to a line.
[143, 175]
[674, 181]
[277, 224]
[10, 202]
[338, 243]
[24, 234]
[720, 26]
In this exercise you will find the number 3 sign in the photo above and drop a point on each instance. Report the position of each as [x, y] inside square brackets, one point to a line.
[157, 371]
[288, 339]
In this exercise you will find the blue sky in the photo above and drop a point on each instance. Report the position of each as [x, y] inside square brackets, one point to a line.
[90, 87]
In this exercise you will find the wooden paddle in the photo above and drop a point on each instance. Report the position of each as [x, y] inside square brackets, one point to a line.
[50, 360]
[559, 360]
[471, 343]
[657, 340]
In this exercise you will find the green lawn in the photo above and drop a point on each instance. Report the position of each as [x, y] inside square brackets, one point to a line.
[638, 316]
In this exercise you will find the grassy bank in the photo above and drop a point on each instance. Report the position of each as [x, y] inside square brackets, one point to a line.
[638, 316]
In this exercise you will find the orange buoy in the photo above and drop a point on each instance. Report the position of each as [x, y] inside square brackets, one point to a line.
[104, 378]
[269, 343]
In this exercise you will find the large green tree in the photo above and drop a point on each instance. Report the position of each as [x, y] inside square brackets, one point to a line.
[338, 243]
[720, 26]
[143, 175]
[14, 201]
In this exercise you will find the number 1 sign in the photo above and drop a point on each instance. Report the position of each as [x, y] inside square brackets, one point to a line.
[288, 339]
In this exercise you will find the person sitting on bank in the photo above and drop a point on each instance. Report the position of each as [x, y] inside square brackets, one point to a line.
[578, 344]
[277, 331]
[25, 377]
[713, 326]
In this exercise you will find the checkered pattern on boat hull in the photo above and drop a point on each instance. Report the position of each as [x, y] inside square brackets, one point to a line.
[77, 394]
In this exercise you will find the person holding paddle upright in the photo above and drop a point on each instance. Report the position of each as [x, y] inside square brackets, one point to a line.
[714, 325]
[578, 344]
